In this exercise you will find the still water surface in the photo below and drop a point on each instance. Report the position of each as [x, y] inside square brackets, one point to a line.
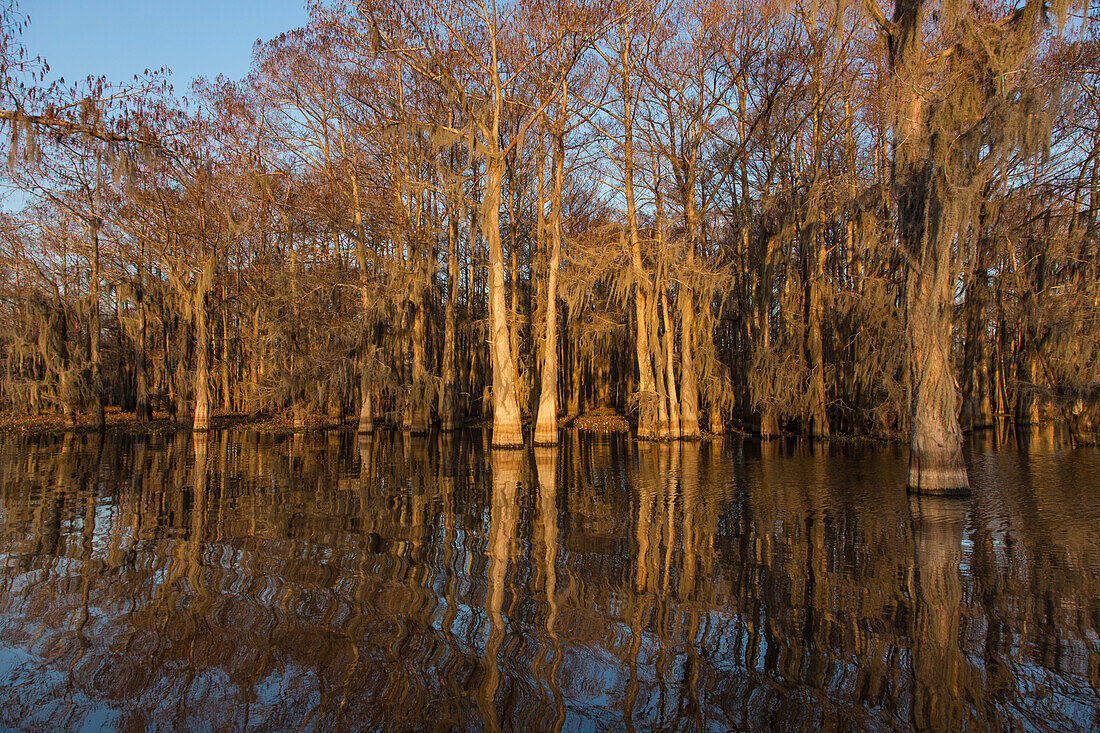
[328, 582]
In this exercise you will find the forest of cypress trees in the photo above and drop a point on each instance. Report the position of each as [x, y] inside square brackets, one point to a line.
[809, 217]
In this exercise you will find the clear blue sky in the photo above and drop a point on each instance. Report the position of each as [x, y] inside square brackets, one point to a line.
[120, 38]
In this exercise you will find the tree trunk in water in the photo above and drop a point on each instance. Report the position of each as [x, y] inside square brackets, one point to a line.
[717, 422]
[419, 425]
[976, 412]
[999, 395]
[1027, 412]
[819, 421]
[142, 409]
[663, 409]
[94, 350]
[257, 365]
[366, 409]
[647, 395]
[227, 390]
[447, 399]
[689, 392]
[935, 447]
[647, 413]
[674, 429]
[546, 422]
[179, 380]
[514, 344]
[575, 379]
[201, 419]
[65, 387]
[507, 429]
[972, 353]
[769, 422]
[815, 273]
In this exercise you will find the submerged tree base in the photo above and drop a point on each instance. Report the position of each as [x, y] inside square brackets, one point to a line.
[546, 435]
[507, 434]
[938, 473]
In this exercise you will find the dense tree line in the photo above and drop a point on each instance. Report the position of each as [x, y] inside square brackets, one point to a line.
[805, 216]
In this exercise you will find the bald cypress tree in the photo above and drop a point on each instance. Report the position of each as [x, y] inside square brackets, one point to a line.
[949, 107]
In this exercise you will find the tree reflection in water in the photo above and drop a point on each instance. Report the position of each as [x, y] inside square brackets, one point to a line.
[242, 581]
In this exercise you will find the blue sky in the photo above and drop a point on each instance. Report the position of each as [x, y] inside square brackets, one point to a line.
[121, 38]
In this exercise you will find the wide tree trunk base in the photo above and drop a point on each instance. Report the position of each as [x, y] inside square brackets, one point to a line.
[689, 429]
[768, 426]
[546, 434]
[937, 473]
[366, 417]
[507, 434]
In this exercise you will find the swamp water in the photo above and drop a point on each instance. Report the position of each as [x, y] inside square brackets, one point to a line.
[328, 582]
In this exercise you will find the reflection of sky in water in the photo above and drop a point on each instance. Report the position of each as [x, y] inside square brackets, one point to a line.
[709, 585]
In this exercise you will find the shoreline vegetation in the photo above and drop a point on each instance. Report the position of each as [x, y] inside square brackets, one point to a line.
[598, 421]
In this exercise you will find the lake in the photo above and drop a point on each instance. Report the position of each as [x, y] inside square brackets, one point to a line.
[248, 581]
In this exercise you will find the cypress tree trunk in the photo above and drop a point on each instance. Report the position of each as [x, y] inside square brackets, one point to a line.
[769, 420]
[815, 272]
[419, 424]
[178, 381]
[663, 406]
[647, 413]
[689, 392]
[201, 418]
[366, 408]
[546, 422]
[65, 387]
[1026, 411]
[514, 338]
[142, 409]
[674, 429]
[507, 429]
[717, 421]
[223, 351]
[935, 447]
[94, 346]
[257, 365]
[819, 421]
[575, 379]
[973, 352]
[447, 400]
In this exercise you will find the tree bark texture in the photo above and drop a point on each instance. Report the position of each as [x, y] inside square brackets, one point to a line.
[935, 447]
[507, 429]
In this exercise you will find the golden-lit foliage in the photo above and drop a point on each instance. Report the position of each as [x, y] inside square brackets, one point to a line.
[366, 226]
